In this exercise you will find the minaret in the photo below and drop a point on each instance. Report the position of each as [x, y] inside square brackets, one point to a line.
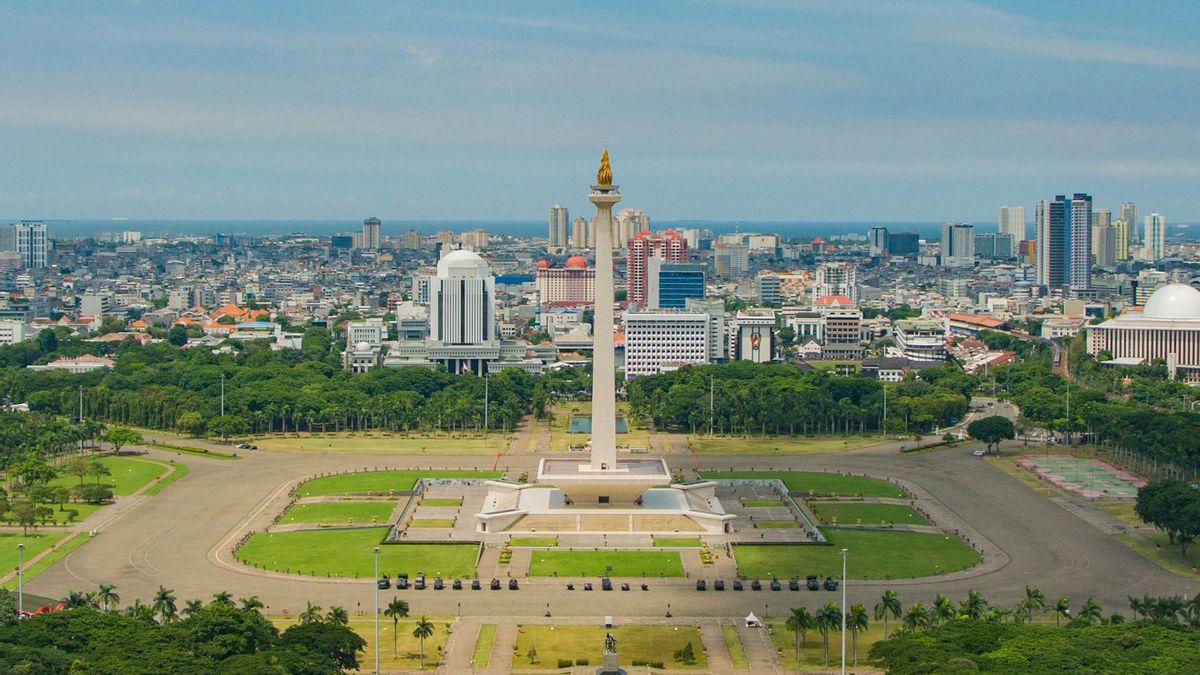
[604, 396]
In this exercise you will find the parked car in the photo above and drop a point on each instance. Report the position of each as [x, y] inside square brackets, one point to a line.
[383, 584]
[512, 585]
[438, 584]
[737, 584]
[457, 585]
[813, 583]
[719, 585]
[701, 585]
[606, 584]
[831, 584]
[775, 585]
[402, 583]
[978, 453]
[475, 585]
[793, 584]
[756, 585]
[495, 584]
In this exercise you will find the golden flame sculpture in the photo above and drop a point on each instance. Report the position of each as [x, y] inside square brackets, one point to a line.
[604, 175]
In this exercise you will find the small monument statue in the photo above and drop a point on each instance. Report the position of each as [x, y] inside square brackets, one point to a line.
[610, 664]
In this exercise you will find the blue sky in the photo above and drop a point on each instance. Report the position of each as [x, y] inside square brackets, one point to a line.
[752, 110]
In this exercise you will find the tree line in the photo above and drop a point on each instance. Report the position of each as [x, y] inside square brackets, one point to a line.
[748, 398]
[162, 386]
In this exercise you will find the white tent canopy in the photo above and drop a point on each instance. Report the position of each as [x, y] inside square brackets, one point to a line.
[753, 621]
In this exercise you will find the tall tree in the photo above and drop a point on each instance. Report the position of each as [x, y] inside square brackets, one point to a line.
[889, 604]
[422, 630]
[107, 595]
[163, 605]
[800, 621]
[397, 609]
[856, 622]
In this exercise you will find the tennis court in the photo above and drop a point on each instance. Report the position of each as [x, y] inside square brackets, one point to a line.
[1090, 478]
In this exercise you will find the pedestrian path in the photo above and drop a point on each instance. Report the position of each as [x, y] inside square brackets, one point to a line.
[759, 650]
[714, 646]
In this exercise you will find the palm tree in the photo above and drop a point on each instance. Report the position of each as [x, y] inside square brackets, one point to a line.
[108, 595]
[998, 614]
[397, 609]
[856, 622]
[1090, 612]
[942, 610]
[974, 606]
[222, 598]
[76, 600]
[192, 608]
[1193, 609]
[800, 621]
[337, 616]
[916, 617]
[140, 610]
[828, 618]
[1141, 606]
[164, 604]
[1062, 609]
[422, 630]
[251, 604]
[1167, 610]
[311, 614]
[1034, 599]
[889, 603]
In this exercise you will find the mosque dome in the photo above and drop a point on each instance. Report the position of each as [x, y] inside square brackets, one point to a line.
[543, 264]
[363, 346]
[1173, 301]
[576, 262]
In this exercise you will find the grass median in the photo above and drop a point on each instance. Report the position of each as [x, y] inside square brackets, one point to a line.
[348, 554]
[596, 563]
[872, 555]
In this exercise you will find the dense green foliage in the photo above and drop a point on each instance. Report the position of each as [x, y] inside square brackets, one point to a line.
[219, 637]
[1172, 506]
[961, 646]
[783, 398]
[1132, 409]
[162, 386]
[991, 430]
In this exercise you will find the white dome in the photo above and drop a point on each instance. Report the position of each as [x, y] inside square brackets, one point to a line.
[462, 263]
[1173, 301]
[363, 346]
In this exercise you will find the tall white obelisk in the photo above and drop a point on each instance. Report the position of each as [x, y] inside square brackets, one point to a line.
[604, 396]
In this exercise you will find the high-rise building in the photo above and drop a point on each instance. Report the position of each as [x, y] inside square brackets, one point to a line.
[462, 303]
[1102, 218]
[770, 288]
[630, 221]
[1154, 237]
[958, 245]
[668, 246]
[31, 242]
[476, 240]
[1122, 228]
[579, 233]
[559, 221]
[369, 240]
[1128, 213]
[877, 241]
[1052, 250]
[904, 243]
[1104, 245]
[1081, 242]
[670, 284]
[731, 260]
[752, 336]
[412, 240]
[995, 245]
[574, 283]
[1012, 221]
[835, 278]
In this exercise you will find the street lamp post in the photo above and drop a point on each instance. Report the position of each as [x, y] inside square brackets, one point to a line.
[844, 552]
[20, 580]
[377, 609]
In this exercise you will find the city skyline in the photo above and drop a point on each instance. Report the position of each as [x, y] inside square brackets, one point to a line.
[173, 111]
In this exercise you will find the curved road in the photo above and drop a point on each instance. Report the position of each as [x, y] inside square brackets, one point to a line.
[171, 539]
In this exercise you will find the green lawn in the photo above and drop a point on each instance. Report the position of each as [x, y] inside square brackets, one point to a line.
[653, 643]
[192, 450]
[778, 445]
[762, 503]
[35, 543]
[64, 547]
[733, 643]
[818, 482]
[441, 502]
[407, 648]
[873, 555]
[677, 542]
[337, 513]
[386, 444]
[483, 646]
[431, 522]
[775, 524]
[128, 474]
[380, 482]
[534, 542]
[812, 652]
[83, 509]
[593, 563]
[347, 553]
[870, 514]
[180, 471]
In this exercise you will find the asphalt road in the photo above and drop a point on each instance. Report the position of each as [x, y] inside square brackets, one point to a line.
[174, 539]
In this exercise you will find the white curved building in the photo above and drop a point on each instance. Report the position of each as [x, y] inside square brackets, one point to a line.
[462, 301]
[1167, 328]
